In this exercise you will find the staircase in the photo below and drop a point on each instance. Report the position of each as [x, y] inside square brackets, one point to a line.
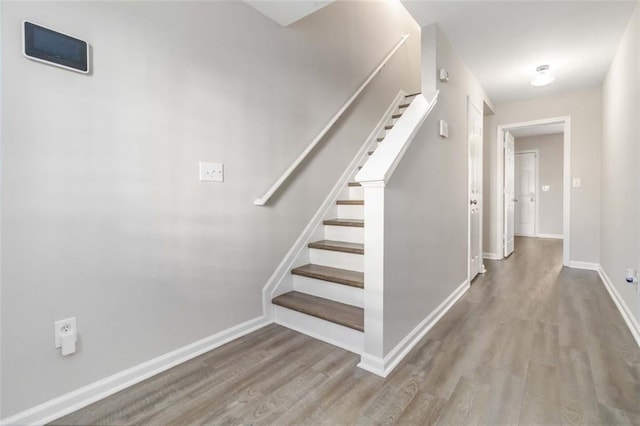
[327, 300]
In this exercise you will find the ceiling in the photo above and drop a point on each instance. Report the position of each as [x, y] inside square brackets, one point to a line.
[286, 12]
[502, 42]
[538, 130]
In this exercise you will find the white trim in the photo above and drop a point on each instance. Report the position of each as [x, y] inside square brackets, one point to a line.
[555, 236]
[590, 266]
[566, 196]
[290, 259]
[491, 256]
[265, 198]
[385, 159]
[536, 222]
[628, 317]
[383, 367]
[79, 398]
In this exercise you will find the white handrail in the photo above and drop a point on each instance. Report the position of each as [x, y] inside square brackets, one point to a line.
[263, 200]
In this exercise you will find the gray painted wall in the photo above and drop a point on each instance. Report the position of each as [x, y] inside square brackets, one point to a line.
[103, 216]
[620, 230]
[426, 207]
[585, 109]
[550, 168]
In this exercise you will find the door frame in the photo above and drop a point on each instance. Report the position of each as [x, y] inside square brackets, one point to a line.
[566, 196]
[536, 221]
[472, 104]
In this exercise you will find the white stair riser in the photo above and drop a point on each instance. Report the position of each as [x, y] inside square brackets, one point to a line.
[328, 290]
[336, 259]
[335, 334]
[350, 212]
[350, 234]
[356, 193]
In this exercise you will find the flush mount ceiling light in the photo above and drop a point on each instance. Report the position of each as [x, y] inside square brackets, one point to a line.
[543, 76]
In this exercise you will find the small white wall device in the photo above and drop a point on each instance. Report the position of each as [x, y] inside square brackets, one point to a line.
[444, 129]
[444, 75]
[51, 47]
[631, 276]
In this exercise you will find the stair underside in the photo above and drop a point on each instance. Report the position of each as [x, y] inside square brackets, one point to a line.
[334, 275]
[336, 312]
[341, 246]
[358, 223]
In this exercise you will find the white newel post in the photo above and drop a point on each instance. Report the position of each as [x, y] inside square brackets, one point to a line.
[373, 355]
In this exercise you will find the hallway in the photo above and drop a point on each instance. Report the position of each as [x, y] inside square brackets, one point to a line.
[531, 342]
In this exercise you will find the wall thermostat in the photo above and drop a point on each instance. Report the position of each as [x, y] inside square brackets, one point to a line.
[51, 47]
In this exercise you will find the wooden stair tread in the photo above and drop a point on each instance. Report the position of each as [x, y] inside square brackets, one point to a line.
[389, 127]
[350, 202]
[355, 183]
[403, 105]
[336, 312]
[396, 116]
[359, 223]
[334, 275]
[380, 139]
[370, 152]
[341, 246]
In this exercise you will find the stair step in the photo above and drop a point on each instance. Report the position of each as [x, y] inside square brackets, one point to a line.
[379, 139]
[350, 202]
[334, 275]
[403, 105]
[345, 222]
[412, 95]
[340, 246]
[359, 168]
[370, 152]
[394, 116]
[355, 183]
[336, 312]
[389, 127]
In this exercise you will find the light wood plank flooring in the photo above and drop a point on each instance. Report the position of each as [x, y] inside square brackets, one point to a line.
[530, 343]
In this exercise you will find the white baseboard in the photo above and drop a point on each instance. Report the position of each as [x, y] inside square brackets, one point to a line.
[628, 317]
[289, 262]
[383, 367]
[491, 256]
[75, 400]
[584, 265]
[554, 236]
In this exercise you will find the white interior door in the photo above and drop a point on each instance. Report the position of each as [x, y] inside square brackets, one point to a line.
[475, 189]
[509, 193]
[525, 190]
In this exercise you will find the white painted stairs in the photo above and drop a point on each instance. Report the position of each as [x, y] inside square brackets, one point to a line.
[327, 300]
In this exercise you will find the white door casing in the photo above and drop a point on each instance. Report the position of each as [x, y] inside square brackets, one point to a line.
[526, 182]
[475, 118]
[509, 193]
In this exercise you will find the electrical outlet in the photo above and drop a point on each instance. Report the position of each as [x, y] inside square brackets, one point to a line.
[211, 172]
[64, 327]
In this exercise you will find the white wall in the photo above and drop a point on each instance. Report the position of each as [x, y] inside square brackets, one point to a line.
[550, 167]
[103, 216]
[426, 207]
[585, 109]
[620, 207]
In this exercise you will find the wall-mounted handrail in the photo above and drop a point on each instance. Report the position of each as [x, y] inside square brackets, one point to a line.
[265, 198]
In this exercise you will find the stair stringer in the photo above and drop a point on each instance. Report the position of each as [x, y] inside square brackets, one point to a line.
[281, 281]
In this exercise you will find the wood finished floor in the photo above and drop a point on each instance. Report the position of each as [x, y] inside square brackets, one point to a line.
[530, 343]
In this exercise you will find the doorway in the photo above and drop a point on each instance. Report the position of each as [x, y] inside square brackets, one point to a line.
[520, 187]
[526, 193]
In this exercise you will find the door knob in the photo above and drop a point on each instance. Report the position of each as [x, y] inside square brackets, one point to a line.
[474, 201]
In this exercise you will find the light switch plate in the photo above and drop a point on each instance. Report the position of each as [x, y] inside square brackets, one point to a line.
[577, 183]
[211, 172]
[545, 188]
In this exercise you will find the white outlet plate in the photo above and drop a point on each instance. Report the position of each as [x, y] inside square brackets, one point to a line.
[211, 172]
[545, 188]
[59, 329]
